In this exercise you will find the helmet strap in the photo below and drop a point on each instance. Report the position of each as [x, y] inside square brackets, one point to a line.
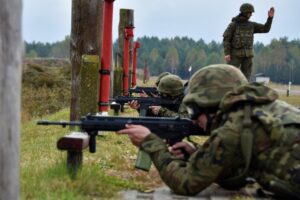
[210, 116]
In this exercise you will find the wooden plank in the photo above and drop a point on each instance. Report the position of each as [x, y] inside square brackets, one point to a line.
[75, 141]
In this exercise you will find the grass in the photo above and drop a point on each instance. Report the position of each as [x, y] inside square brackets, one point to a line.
[103, 175]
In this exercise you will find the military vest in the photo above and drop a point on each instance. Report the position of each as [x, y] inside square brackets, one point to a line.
[282, 122]
[242, 41]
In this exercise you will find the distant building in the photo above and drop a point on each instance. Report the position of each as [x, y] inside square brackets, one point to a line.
[261, 78]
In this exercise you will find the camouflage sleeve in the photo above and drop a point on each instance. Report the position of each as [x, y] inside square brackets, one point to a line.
[204, 167]
[227, 38]
[182, 112]
[165, 112]
[263, 28]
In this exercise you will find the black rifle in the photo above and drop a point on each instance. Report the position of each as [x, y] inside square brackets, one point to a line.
[145, 102]
[171, 129]
[150, 91]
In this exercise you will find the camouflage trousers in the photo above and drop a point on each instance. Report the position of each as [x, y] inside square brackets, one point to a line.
[243, 63]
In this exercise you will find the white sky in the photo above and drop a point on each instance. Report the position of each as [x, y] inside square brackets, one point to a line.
[50, 20]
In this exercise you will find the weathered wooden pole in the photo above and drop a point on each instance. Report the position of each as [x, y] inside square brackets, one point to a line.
[136, 46]
[126, 20]
[85, 48]
[86, 39]
[106, 57]
[11, 49]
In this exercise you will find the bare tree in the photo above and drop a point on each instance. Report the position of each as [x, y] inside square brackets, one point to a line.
[11, 46]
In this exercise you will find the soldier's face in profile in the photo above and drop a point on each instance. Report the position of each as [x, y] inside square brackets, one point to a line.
[201, 121]
[249, 14]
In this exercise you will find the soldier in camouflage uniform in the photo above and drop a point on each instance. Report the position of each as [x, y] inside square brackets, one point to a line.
[252, 134]
[170, 87]
[238, 38]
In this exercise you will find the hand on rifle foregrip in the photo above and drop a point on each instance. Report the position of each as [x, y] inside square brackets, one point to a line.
[134, 104]
[136, 133]
[144, 94]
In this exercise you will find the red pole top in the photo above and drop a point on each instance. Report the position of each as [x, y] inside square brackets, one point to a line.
[137, 45]
[129, 32]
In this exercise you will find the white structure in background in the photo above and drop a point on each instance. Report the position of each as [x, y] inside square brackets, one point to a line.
[261, 78]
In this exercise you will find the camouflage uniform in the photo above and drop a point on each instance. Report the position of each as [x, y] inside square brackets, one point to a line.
[238, 39]
[172, 86]
[273, 127]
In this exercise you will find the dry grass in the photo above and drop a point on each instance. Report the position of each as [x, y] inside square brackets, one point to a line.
[283, 86]
[294, 96]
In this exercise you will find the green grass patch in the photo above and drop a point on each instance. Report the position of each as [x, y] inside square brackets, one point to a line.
[103, 174]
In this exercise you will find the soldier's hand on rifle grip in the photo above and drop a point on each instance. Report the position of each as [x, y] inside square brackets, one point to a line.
[136, 133]
[177, 149]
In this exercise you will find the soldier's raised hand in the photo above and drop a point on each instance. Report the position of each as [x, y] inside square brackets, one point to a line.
[271, 12]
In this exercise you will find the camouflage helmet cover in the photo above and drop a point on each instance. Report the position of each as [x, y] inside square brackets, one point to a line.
[160, 76]
[171, 85]
[246, 7]
[209, 84]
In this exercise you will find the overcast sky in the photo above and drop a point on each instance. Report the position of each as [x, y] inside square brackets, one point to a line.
[50, 20]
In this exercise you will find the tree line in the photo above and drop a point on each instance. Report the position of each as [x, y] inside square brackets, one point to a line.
[279, 60]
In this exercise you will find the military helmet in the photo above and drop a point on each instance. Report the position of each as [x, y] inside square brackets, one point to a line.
[209, 84]
[170, 85]
[246, 8]
[160, 76]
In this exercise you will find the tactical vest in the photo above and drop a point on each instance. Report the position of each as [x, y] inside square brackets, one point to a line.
[242, 41]
[286, 130]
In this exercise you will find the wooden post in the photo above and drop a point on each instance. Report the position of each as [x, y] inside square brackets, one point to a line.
[126, 20]
[11, 49]
[86, 38]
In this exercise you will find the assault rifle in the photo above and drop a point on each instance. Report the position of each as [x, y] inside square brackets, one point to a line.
[145, 102]
[171, 129]
[150, 91]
